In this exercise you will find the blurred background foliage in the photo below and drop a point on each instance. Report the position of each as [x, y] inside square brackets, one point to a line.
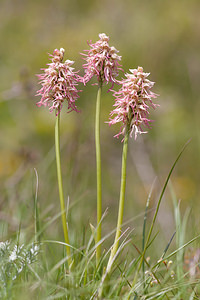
[161, 36]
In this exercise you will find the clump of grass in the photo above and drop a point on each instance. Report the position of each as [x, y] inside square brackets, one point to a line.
[157, 280]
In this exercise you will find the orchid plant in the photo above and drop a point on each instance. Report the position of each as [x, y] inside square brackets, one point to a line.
[102, 61]
[132, 106]
[58, 86]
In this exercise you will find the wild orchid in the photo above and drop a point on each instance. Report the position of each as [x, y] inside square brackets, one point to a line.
[132, 104]
[102, 61]
[59, 83]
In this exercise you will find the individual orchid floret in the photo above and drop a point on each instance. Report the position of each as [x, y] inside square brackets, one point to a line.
[58, 83]
[132, 103]
[102, 61]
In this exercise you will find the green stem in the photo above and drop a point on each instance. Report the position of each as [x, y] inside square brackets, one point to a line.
[60, 187]
[121, 202]
[98, 170]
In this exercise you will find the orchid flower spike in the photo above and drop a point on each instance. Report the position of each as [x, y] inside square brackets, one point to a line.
[102, 61]
[58, 83]
[132, 103]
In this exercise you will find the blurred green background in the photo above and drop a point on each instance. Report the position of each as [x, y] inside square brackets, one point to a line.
[161, 36]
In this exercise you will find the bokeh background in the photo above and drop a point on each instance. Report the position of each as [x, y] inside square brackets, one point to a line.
[161, 36]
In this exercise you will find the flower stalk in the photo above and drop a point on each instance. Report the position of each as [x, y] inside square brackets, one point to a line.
[121, 201]
[132, 103]
[59, 81]
[98, 171]
[60, 188]
[102, 61]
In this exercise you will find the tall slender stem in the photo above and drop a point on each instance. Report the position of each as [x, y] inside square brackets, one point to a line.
[60, 187]
[98, 170]
[121, 202]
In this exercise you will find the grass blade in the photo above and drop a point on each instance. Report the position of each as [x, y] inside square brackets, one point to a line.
[157, 209]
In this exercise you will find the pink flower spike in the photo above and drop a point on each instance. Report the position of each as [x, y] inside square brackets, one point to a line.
[102, 61]
[58, 83]
[132, 103]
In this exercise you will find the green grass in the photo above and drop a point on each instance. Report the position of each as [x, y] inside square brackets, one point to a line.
[136, 272]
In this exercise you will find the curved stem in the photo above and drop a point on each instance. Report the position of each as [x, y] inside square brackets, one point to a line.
[60, 187]
[98, 170]
[121, 202]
